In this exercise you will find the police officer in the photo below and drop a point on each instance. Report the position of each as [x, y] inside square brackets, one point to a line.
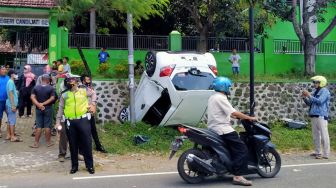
[74, 104]
[87, 83]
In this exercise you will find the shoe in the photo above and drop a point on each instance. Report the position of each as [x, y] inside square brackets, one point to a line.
[53, 132]
[314, 154]
[73, 170]
[324, 157]
[91, 170]
[101, 149]
[318, 157]
[61, 159]
[29, 116]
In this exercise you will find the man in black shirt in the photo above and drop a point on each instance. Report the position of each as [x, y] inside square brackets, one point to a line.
[43, 97]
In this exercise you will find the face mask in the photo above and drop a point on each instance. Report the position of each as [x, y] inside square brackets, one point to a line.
[16, 77]
[87, 84]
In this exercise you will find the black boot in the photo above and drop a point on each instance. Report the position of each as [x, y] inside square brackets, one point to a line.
[101, 149]
[73, 170]
[91, 170]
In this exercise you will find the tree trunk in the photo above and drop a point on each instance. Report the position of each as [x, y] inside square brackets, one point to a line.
[202, 45]
[309, 58]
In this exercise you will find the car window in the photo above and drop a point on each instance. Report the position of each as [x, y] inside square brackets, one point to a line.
[188, 81]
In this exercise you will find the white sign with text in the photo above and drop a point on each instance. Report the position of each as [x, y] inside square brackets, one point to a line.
[39, 22]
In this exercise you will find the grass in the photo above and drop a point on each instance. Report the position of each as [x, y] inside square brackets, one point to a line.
[118, 139]
[287, 139]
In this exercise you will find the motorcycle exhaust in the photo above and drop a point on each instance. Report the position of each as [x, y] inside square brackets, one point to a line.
[201, 164]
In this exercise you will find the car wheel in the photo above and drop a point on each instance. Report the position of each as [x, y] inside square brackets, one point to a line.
[124, 115]
[150, 63]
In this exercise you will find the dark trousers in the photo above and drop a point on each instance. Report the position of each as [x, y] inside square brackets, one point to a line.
[239, 153]
[94, 133]
[25, 101]
[79, 135]
[63, 141]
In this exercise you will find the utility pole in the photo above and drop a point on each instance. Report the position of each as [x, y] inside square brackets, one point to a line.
[131, 83]
[251, 23]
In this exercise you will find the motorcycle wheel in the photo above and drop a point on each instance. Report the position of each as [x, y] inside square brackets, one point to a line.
[187, 172]
[269, 164]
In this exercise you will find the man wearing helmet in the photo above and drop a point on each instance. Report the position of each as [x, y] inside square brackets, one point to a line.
[318, 102]
[220, 112]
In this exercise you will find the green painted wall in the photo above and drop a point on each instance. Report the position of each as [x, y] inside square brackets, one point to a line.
[284, 30]
[329, 15]
[224, 66]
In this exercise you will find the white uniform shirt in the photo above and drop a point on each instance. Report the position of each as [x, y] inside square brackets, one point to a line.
[219, 114]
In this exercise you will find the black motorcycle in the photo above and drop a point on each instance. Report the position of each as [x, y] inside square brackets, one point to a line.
[210, 154]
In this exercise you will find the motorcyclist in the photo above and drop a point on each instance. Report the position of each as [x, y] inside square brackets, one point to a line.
[220, 112]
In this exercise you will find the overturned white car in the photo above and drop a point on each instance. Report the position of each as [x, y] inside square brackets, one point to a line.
[174, 88]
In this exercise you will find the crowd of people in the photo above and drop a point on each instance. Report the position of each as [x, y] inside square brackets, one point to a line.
[74, 122]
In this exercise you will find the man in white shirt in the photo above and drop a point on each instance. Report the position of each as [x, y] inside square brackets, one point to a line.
[220, 112]
[235, 61]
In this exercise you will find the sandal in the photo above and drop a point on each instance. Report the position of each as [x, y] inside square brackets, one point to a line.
[16, 140]
[243, 182]
[50, 144]
[34, 146]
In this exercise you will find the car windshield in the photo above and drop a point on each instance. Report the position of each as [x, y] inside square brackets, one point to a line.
[189, 81]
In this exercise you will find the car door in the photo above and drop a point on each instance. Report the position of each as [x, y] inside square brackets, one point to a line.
[147, 93]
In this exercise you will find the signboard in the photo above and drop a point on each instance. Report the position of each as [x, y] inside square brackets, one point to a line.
[39, 22]
[37, 59]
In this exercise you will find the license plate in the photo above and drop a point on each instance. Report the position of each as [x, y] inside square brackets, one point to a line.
[176, 145]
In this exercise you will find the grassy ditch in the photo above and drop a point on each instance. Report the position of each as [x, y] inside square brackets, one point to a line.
[118, 139]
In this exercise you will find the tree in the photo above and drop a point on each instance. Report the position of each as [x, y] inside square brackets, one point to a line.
[112, 11]
[312, 12]
[223, 18]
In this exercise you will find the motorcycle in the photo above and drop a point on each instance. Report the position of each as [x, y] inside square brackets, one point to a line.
[210, 154]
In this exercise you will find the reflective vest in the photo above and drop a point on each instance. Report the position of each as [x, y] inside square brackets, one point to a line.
[75, 104]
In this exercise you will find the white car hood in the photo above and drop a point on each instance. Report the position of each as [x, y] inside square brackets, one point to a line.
[191, 108]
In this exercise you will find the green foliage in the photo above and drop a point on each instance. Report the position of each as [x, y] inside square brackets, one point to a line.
[225, 18]
[121, 70]
[103, 68]
[77, 67]
[110, 10]
[103, 30]
[119, 138]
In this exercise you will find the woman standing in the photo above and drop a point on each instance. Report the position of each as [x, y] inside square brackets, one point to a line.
[26, 84]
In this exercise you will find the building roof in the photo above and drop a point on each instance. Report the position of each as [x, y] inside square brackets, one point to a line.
[29, 3]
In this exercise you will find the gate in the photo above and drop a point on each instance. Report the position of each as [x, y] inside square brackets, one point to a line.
[26, 48]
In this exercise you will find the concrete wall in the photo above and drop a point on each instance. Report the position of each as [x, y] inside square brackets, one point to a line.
[273, 100]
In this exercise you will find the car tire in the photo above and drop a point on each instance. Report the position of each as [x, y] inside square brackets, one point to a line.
[150, 63]
[124, 115]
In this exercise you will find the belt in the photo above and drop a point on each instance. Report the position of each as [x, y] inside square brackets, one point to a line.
[76, 118]
[316, 116]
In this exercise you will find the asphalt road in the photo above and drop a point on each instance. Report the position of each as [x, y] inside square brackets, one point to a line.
[291, 176]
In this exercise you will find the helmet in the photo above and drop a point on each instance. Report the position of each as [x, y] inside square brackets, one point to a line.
[222, 84]
[321, 79]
